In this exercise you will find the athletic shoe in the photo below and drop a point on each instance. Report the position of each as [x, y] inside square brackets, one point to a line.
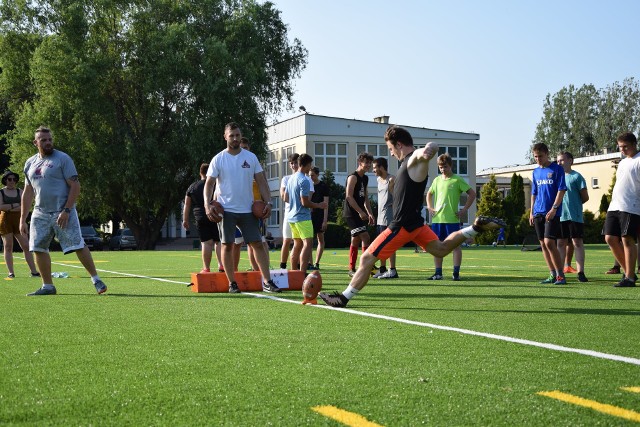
[380, 272]
[484, 223]
[312, 267]
[582, 278]
[351, 273]
[560, 281]
[455, 277]
[205, 270]
[625, 283]
[613, 270]
[269, 286]
[569, 269]
[36, 274]
[101, 288]
[233, 288]
[43, 291]
[548, 280]
[435, 277]
[389, 274]
[334, 300]
[283, 265]
[11, 276]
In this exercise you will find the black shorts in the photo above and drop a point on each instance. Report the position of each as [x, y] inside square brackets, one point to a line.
[356, 225]
[571, 230]
[317, 223]
[547, 230]
[618, 223]
[208, 230]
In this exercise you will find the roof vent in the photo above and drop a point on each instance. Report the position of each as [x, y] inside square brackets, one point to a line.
[382, 119]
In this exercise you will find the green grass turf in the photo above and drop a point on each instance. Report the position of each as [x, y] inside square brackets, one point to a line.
[155, 353]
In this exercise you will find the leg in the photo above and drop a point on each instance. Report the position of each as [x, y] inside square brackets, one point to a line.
[578, 245]
[43, 262]
[305, 254]
[262, 258]
[392, 261]
[7, 241]
[236, 256]
[554, 256]
[569, 253]
[320, 249]
[28, 256]
[84, 255]
[284, 252]
[218, 249]
[207, 254]
[617, 249]
[252, 258]
[630, 256]
[228, 262]
[564, 248]
[296, 258]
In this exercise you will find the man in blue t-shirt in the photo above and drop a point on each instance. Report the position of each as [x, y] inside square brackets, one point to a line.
[297, 194]
[547, 191]
[572, 221]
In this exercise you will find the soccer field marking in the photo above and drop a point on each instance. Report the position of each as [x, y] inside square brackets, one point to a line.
[547, 346]
[605, 408]
[345, 417]
[631, 389]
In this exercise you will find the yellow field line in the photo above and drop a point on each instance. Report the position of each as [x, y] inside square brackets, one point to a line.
[631, 389]
[344, 417]
[592, 404]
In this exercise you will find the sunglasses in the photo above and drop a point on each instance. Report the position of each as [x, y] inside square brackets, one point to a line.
[12, 179]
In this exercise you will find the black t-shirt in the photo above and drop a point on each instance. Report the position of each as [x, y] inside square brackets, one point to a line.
[362, 182]
[408, 199]
[196, 193]
[320, 192]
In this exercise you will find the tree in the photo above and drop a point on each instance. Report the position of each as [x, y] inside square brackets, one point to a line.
[138, 92]
[490, 204]
[513, 207]
[336, 195]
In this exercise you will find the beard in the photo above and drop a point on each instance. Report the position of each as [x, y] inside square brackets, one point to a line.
[47, 150]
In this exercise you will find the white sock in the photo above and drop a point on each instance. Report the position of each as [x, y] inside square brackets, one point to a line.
[350, 292]
[95, 278]
[469, 232]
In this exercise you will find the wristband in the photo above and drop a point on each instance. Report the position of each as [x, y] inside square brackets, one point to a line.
[555, 207]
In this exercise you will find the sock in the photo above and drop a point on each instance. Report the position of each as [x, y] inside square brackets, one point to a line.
[383, 269]
[350, 292]
[469, 232]
[318, 265]
[47, 286]
[456, 270]
[353, 256]
[95, 278]
[283, 265]
[553, 273]
[439, 271]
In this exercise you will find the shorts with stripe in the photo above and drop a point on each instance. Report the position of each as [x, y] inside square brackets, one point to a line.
[356, 225]
[389, 241]
[620, 223]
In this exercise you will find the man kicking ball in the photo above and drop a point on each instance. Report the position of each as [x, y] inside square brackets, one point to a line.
[407, 224]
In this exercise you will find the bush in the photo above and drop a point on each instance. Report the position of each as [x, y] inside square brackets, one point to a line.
[593, 228]
[337, 236]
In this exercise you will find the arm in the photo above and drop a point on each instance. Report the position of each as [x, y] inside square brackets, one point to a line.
[263, 185]
[430, 208]
[584, 195]
[367, 206]
[557, 202]
[470, 199]
[74, 192]
[325, 220]
[533, 203]
[208, 195]
[185, 212]
[418, 166]
[25, 207]
[351, 185]
[307, 203]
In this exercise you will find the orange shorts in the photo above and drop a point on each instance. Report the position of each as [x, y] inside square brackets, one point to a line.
[389, 241]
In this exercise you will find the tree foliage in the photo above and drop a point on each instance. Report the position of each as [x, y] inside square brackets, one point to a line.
[336, 196]
[514, 206]
[138, 92]
[490, 204]
[586, 120]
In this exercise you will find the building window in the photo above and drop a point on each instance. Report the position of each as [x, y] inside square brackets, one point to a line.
[274, 219]
[595, 183]
[272, 165]
[331, 156]
[286, 152]
[376, 150]
[460, 158]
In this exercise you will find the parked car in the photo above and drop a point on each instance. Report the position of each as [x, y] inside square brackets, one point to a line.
[123, 239]
[91, 238]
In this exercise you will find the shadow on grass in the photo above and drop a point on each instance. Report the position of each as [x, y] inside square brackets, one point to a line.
[593, 311]
[504, 297]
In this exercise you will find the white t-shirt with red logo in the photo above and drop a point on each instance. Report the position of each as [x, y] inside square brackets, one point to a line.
[235, 175]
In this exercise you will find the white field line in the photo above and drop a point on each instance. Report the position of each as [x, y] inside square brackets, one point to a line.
[548, 346]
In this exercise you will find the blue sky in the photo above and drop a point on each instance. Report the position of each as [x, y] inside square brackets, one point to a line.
[470, 66]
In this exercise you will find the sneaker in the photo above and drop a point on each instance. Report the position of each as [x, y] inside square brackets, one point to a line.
[283, 265]
[220, 270]
[456, 277]
[582, 278]
[548, 280]
[389, 274]
[435, 277]
[625, 283]
[613, 270]
[484, 223]
[36, 274]
[101, 288]
[43, 291]
[11, 276]
[351, 273]
[569, 269]
[334, 300]
[380, 272]
[205, 270]
[560, 281]
[269, 286]
[233, 288]
[311, 267]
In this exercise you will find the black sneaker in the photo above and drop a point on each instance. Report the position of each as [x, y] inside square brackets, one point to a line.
[43, 291]
[36, 274]
[233, 288]
[582, 278]
[269, 286]
[435, 277]
[455, 277]
[334, 300]
[311, 267]
[625, 283]
[11, 276]
[283, 265]
[484, 223]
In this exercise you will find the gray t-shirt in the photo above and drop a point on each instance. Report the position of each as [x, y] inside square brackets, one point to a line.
[48, 177]
[385, 202]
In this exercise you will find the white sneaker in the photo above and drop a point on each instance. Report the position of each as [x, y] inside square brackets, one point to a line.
[389, 274]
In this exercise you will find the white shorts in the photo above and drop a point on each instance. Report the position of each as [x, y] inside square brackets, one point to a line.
[286, 230]
[44, 227]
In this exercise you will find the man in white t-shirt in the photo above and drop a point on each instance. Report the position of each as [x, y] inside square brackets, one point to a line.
[287, 236]
[235, 169]
[623, 216]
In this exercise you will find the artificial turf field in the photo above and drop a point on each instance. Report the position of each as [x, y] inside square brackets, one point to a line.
[497, 348]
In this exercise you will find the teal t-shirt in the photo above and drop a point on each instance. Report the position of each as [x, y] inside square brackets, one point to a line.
[446, 198]
[572, 203]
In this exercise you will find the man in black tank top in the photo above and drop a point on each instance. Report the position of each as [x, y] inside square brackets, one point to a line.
[408, 224]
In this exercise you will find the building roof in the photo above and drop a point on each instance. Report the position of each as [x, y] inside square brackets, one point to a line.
[531, 166]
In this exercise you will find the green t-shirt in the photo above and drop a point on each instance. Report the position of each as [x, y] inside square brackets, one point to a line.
[446, 198]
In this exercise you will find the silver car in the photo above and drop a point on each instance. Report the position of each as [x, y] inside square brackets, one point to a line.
[123, 239]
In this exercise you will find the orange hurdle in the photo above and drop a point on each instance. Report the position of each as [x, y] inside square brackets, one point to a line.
[248, 281]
